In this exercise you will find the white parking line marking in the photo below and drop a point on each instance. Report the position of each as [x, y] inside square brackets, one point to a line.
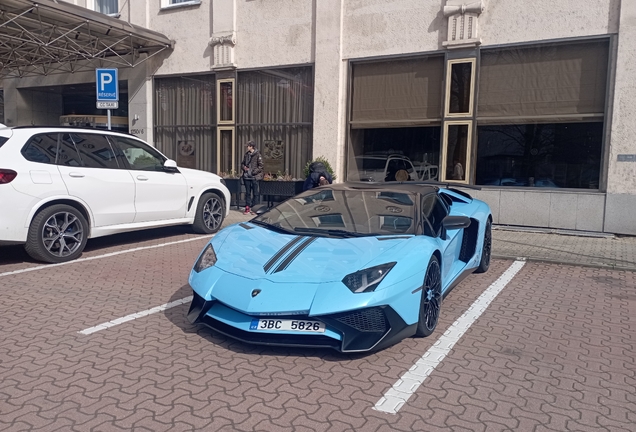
[131, 317]
[396, 397]
[41, 267]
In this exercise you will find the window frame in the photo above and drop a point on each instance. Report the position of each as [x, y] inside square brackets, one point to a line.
[168, 4]
[92, 5]
[469, 151]
[219, 130]
[471, 101]
[232, 81]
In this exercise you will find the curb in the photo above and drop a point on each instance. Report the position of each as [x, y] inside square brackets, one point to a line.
[570, 263]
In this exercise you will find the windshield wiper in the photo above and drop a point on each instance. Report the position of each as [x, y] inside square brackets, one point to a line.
[331, 232]
[276, 228]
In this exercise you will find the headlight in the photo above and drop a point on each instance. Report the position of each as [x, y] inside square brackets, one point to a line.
[222, 182]
[206, 260]
[367, 280]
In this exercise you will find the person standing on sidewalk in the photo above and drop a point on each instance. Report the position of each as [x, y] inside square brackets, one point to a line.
[252, 166]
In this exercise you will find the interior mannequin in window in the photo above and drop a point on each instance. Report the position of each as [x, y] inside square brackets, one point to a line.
[458, 170]
[252, 166]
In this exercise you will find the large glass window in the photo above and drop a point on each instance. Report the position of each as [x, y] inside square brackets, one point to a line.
[225, 91]
[459, 87]
[185, 120]
[456, 157]
[380, 154]
[395, 120]
[556, 155]
[275, 107]
[108, 7]
[541, 115]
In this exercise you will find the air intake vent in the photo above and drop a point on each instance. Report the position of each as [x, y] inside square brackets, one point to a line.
[366, 320]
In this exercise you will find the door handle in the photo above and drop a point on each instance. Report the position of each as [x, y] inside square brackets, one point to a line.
[142, 178]
[77, 175]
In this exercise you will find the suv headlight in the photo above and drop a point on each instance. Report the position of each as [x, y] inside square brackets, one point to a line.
[367, 280]
[206, 260]
[223, 181]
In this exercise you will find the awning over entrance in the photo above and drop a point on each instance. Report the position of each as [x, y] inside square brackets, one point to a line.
[46, 37]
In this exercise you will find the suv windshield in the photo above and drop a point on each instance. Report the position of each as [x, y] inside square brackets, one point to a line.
[344, 213]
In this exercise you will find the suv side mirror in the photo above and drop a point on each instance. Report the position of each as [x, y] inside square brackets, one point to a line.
[170, 166]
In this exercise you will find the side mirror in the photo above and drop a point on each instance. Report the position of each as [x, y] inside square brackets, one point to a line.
[456, 222]
[170, 166]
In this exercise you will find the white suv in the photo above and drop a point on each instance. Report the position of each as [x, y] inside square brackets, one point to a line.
[61, 186]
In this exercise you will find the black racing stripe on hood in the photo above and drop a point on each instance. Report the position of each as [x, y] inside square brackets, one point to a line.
[292, 256]
[269, 264]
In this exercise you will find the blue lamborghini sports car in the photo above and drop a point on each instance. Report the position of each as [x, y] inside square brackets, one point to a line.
[350, 266]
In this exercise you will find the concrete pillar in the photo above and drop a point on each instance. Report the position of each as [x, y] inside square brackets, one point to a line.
[620, 208]
[330, 84]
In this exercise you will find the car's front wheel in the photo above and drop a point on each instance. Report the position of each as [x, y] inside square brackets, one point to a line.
[431, 299]
[486, 250]
[57, 234]
[210, 214]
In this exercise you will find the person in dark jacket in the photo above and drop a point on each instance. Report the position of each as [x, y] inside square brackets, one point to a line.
[252, 166]
[318, 176]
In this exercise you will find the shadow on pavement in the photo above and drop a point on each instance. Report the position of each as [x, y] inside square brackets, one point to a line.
[177, 316]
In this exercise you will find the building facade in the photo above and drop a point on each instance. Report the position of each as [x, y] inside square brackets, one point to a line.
[530, 100]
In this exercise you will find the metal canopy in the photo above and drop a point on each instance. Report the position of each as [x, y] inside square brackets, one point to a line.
[45, 37]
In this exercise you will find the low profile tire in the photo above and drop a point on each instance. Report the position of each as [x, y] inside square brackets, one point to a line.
[210, 214]
[57, 234]
[486, 250]
[431, 299]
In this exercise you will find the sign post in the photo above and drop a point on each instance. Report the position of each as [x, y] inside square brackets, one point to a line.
[107, 86]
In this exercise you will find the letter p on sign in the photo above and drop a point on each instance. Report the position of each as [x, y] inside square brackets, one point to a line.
[105, 79]
[107, 85]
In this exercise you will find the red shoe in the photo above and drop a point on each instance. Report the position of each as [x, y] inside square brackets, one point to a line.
[247, 210]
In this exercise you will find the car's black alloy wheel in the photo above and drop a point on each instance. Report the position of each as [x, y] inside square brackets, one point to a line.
[210, 214]
[431, 299]
[484, 264]
[57, 234]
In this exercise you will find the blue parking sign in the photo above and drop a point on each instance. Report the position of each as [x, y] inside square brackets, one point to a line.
[107, 85]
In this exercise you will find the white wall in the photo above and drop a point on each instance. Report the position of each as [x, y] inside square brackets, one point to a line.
[274, 32]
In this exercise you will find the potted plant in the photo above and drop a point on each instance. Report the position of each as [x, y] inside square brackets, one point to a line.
[322, 160]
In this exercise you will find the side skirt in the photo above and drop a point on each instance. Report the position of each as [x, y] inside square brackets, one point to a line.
[460, 277]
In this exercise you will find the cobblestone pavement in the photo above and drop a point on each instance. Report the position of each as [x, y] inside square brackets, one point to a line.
[555, 350]
[595, 251]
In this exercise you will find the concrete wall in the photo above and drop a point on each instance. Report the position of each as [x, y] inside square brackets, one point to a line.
[274, 32]
[621, 182]
[37, 107]
[570, 210]
[189, 26]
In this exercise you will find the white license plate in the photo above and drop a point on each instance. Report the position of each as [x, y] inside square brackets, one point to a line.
[301, 326]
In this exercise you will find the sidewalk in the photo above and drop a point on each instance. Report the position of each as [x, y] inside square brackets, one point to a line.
[584, 249]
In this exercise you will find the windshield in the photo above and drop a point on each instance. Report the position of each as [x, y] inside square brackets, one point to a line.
[344, 213]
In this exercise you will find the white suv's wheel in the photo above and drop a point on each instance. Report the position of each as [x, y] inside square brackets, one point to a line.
[57, 234]
[210, 214]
